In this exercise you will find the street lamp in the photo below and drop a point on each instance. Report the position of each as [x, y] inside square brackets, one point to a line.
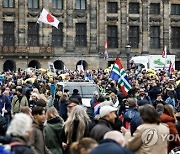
[128, 51]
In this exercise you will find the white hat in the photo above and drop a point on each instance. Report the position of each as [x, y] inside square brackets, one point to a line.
[104, 110]
[95, 93]
[35, 94]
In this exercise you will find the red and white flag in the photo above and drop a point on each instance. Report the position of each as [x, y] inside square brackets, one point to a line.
[164, 52]
[106, 56]
[47, 18]
[171, 68]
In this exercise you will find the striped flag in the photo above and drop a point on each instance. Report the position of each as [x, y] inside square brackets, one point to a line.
[171, 68]
[119, 75]
[106, 56]
[164, 52]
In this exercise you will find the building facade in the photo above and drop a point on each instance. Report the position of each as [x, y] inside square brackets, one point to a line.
[85, 27]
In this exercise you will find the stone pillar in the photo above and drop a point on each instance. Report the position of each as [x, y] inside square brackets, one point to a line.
[101, 25]
[93, 26]
[124, 29]
[145, 42]
[69, 27]
[166, 23]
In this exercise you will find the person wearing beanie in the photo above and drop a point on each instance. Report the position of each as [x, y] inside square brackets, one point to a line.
[105, 123]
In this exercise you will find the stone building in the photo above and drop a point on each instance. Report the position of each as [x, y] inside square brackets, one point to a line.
[85, 28]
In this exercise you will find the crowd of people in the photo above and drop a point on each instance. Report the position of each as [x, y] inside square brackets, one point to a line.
[37, 116]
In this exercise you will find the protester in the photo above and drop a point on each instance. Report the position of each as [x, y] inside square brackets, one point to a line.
[105, 123]
[53, 131]
[168, 117]
[27, 110]
[131, 112]
[18, 101]
[151, 123]
[34, 97]
[20, 130]
[63, 106]
[84, 146]
[93, 100]
[76, 126]
[113, 143]
[37, 141]
[158, 100]
[5, 107]
[171, 100]
[143, 98]
[71, 104]
[76, 95]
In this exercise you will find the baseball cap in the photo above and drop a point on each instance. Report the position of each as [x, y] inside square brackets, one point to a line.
[104, 110]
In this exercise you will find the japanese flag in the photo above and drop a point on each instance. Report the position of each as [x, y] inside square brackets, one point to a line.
[47, 18]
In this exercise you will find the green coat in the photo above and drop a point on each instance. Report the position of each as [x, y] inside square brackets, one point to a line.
[52, 133]
[16, 104]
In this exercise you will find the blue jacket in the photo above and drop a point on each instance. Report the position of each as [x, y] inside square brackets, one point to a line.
[4, 100]
[130, 113]
[109, 146]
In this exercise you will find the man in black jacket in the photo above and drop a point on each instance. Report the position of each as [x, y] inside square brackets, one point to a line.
[105, 123]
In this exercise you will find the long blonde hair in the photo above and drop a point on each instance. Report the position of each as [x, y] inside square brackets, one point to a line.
[78, 113]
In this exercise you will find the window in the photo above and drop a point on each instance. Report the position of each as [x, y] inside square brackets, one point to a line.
[33, 34]
[154, 8]
[112, 34]
[8, 34]
[57, 36]
[80, 4]
[8, 3]
[33, 4]
[134, 8]
[175, 9]
[175, 38]
[154, 37]
[134, 36]
[57, 4]
[112, 7]
[81, 35]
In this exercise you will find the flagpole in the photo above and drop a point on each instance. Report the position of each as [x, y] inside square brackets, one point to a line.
[165, 55]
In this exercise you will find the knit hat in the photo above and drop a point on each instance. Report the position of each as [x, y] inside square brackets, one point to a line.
[104, 110]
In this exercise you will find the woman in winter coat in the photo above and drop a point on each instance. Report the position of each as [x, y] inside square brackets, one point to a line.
[53, 131]
[168, 117]
[76, 126]
[147, 139]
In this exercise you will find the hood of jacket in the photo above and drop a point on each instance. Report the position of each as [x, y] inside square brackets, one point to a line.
[55, 123]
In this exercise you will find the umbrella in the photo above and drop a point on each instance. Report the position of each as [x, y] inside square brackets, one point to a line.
[42, 70]
[30, 79]
[63, 76]
[108, 69]
[150, 71]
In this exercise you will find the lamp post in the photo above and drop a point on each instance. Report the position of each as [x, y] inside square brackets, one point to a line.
[128, 51]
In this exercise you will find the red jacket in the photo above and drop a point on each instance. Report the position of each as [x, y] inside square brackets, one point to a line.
[170, 121]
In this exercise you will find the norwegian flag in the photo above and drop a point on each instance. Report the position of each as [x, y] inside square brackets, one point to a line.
[47, 18]
[171, 68]
[164, 52]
